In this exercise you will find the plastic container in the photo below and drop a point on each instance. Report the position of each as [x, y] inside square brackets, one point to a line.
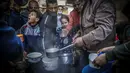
[92, 56]
[50, 64]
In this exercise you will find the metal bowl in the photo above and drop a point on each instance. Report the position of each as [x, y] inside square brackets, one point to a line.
[34, 57]
[52, 52]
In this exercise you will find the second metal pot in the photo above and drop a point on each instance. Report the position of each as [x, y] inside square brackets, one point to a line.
[66, 58]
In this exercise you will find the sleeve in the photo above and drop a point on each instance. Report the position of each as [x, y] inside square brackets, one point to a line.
[121, 52]
[70, 25]
[104, 20]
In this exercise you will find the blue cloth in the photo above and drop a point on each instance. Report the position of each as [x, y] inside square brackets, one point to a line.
[11, 46]
[105, 69]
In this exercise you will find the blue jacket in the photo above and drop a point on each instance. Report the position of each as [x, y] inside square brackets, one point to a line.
[11, 47]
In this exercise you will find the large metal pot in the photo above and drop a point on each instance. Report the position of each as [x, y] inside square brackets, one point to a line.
[66, 58]
[54, 52]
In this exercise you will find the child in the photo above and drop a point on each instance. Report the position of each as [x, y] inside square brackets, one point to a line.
[61, 40]
[31, 27]
[31, 31]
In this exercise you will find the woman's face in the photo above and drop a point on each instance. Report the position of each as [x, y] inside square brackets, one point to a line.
[64, 22]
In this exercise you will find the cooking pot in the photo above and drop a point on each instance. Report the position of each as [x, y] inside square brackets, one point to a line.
[50, 63]
[34, 57]
[54, 52]
[66, 58]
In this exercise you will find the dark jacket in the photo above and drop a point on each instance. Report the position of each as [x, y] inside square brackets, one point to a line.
[48, 26]
[15, 20]
[97, 24]
[121, 52]
[11, 47]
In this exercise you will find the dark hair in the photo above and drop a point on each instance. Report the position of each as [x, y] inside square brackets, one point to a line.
[50, 2]
[38, 14]
[64, 17]
[33, 1]
[60, 6]
[4, 6]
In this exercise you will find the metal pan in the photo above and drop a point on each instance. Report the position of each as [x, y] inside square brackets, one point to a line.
[54, 52]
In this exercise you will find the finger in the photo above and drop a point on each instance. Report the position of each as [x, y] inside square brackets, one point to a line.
[95, 64]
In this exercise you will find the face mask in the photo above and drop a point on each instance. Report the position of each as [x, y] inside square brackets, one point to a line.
[60, 12]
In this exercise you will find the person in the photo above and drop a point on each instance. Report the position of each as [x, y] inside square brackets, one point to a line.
[15, 18]
[31, 27]
[62, 42]
[74, 18]
[48, 24]
[32, 5]
[59, 14]
[115, 53]
[10, 45]
[42, 5]
[97, 27]
[31, 31]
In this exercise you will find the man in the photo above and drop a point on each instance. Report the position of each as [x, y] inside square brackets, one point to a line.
[48, 24]
[97, 25]
[120, 53]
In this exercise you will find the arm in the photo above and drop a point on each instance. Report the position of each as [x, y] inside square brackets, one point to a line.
[121, 52]
[104, 20]
[70, 25]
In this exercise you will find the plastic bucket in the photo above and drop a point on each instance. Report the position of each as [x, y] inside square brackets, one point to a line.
[50, 64]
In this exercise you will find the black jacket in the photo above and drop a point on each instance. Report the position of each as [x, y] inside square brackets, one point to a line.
[48, 29]
[120, 53]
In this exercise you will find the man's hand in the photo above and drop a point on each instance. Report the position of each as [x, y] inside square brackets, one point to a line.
[64, 32]
[78, 42]
[106, 49]
[100, 60]
[76, 36]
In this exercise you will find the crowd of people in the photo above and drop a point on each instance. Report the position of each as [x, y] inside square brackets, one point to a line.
[90, 26]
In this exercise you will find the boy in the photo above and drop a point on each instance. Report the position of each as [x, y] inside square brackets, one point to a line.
[31, 32]
[31, 27]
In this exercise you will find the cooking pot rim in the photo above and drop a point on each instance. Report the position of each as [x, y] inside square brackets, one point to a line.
[65, 54]
[52, 50]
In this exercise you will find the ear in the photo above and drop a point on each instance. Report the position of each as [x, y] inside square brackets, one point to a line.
[37, 19]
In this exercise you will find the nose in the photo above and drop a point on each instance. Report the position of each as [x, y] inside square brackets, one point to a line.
[53, 9]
